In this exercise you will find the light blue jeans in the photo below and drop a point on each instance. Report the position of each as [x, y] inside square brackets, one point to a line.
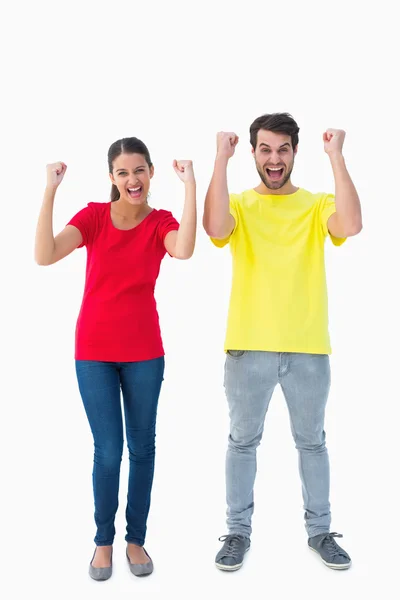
[250, 379]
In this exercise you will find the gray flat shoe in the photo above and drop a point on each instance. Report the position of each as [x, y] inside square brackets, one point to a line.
[100, 573]
[141, 570]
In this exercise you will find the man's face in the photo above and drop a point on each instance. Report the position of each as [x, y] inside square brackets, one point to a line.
[274, 158]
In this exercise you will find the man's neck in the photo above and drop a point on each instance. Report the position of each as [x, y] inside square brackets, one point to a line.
[285, 190]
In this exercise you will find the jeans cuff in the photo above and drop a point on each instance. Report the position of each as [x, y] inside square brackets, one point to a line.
[132, 540]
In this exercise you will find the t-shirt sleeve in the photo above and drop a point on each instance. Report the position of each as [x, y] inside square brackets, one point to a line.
[84, 220]
[220, 243]
[167, 223]
[328, 207]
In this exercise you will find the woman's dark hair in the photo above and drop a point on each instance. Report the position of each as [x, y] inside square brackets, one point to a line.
[130, 145]
[277, 122]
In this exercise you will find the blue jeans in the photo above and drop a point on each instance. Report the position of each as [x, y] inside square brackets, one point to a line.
[100, 385]
[250, 379]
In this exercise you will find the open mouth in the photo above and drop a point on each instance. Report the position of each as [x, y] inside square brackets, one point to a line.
[135, 192]
[275, 173]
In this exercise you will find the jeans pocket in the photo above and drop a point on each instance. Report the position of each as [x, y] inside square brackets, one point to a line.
[236, 353]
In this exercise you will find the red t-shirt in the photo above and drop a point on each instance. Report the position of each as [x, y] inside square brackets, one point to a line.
[118, 320]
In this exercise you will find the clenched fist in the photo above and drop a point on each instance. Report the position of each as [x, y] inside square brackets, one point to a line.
[184, 170]
[333, 141]
[226, 143]
[55, 174]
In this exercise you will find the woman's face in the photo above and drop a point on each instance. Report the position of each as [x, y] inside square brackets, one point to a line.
[131, 174]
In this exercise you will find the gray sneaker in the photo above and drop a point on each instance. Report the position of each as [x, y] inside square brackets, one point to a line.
[231, 555]
[331, 553]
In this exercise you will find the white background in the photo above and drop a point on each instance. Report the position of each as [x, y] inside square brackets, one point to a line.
[76, 77]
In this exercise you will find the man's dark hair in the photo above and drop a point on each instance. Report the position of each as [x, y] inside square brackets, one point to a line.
[277, 122]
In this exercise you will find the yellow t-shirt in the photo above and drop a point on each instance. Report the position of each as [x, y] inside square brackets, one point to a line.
[279, 297]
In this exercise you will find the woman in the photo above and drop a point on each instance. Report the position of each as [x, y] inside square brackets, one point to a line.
[118, 341]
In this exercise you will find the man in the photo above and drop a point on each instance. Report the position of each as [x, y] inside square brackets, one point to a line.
[277, 328]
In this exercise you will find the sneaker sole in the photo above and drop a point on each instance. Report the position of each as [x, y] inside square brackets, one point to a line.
[332, 565]
[230, 567]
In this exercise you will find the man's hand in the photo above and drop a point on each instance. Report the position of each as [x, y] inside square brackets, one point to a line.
[226, 144]
[333, 141]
